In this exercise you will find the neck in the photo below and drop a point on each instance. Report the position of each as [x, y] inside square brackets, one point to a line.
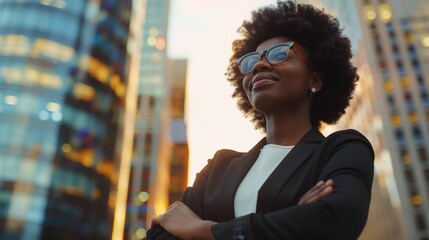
[287, 128]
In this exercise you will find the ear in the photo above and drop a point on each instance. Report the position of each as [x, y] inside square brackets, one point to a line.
[316, 81]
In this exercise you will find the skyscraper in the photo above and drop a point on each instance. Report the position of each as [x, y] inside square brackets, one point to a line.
[149, 178]
[391, 107]
[64, 91]
[177, 70]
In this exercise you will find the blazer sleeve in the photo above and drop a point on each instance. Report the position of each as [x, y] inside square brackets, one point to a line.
[193, 197]
[341, 215]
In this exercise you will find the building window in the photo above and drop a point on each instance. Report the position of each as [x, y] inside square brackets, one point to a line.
[406, 159]
[369, 13]
[420, 221]
[409, 176]
[417, 134]
[399, 136]
[409, 37]
[425, 99]
[414, 118]
[425, 41]
[422, 154]
[427, 175]
[396, 120]
[408, 99]
[388, 86]
[405, 82]
[411, 49]
[416, 200]
[421, 82]
[385, 13]
[391, 100]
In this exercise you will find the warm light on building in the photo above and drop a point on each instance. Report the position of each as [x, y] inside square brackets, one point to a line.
[396, 120]
[60, 4]
[405, 82]
[53, 107]
[66, 65]
[388, 85]
[11, 100]
[84, 92]
[153, 31]
[141, 233]
[143, 196]
[160, 43]
[151, 41]
[425, 41]
[406, 159]
[385, 12]
[31, 77]
[66, 148]
[414, 118]
[369, 12]
[416, 200]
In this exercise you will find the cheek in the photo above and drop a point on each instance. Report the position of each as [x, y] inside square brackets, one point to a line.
[245, 84]
[297, 76]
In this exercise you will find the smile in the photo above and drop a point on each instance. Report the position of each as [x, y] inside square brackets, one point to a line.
[262, 79]
[262, 82]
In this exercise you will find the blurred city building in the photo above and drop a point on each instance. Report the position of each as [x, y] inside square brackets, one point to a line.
[148, 193]
[391, 107]
[177, 75]
[67, 102]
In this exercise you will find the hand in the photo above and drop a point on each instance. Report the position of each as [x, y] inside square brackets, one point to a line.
[320, 190]
[183, 223]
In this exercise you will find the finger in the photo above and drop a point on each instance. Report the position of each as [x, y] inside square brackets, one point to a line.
[157, 220]
[319, 188]
[317, 192]
[313, 189]
[325, 192]
[330, 182]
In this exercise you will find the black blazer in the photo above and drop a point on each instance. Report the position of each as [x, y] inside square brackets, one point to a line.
[346, 157]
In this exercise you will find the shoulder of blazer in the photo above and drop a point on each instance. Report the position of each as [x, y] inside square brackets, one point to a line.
[349, 135]
[338, 139]
[335, 141]
[223, 155]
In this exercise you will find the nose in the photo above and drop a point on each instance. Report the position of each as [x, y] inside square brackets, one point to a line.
[262, 64]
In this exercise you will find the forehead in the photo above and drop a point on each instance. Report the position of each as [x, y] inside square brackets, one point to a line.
[265, 45]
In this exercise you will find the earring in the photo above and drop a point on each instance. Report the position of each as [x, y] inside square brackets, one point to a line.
[313, 91]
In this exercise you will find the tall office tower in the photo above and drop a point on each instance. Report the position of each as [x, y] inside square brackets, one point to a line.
[149, 179]
[391, 107]
[64, 96]
[178, 137]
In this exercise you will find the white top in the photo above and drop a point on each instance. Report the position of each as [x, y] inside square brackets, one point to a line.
[247, 193]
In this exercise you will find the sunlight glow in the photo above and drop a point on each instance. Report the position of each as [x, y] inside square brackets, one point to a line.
[205, 37]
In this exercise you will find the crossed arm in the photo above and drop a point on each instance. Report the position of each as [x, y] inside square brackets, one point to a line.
[324, 212]
[183, 223]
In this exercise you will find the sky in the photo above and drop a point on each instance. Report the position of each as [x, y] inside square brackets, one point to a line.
[202, 31]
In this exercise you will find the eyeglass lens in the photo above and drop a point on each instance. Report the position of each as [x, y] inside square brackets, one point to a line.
[274, 55]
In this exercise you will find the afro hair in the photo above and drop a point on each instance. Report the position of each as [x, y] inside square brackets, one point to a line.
[328, 50]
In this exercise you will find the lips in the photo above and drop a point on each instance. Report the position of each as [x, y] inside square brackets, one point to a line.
[262, 79]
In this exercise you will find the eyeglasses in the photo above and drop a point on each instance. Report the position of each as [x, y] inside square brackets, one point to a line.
[275, 56]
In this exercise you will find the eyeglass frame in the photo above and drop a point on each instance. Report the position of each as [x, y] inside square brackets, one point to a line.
[293, 47]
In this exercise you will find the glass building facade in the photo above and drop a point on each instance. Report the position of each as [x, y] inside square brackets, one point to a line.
[63, 81]
[149, 176]
[391, 107]
[177, 74]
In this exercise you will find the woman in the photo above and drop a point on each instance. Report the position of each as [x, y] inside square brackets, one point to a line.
[291, 71]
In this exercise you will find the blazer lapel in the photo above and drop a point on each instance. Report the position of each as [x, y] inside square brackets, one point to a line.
[296, 157]
[235, 174]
